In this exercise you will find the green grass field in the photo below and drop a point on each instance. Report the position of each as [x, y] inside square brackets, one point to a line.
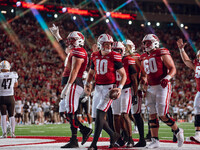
[64, 130]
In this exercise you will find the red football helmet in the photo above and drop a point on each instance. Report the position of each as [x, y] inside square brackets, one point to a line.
[132, 47]
[75, 39]
[118, 47]
[104, 38]
[150, 42]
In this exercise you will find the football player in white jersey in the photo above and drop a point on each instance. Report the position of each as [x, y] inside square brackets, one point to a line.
[8, 80]
[195, 65]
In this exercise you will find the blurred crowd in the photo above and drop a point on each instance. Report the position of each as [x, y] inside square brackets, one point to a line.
[40, 68]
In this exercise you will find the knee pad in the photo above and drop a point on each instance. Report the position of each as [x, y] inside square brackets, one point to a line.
[156, 123]
[170, 122]
[197, 120]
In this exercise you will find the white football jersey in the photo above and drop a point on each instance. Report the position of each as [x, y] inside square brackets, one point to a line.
[7, 81]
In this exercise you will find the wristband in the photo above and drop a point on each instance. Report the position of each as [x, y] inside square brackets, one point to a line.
[87, 83]
[181, 49]
[168, 77]
[120, 86]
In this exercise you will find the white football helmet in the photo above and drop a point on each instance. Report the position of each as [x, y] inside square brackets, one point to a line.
[102, 39]
[118, 45]
[153, 42]
[5, 65]
[132, 49]
[75, 39]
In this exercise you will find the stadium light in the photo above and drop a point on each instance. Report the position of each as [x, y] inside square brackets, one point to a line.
[55, 15]
[18, 3]
[148, 23]
[107, 14]
[158, 24]
[182, 25]
[91, 19]
[107, 20]
[12, 10]
[4, 12]
[74, 17]
[130, 22]
[64, 9]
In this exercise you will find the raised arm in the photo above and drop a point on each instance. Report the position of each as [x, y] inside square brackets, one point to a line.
[184, 56]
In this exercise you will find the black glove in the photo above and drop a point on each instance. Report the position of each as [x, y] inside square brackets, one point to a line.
[134, 99]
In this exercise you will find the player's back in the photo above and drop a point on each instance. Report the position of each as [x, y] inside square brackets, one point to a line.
[7, 81]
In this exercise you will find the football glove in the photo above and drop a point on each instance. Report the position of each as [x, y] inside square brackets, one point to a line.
[164, 82]
[55, 31]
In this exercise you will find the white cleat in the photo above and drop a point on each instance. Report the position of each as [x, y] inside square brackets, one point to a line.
[180, 137]
[196, 138]
[4, 136]
[154, 144]
[13, 135]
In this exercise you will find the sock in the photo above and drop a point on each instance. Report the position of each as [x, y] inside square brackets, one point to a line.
[156, 138]
[12, 124]
[72, 126]
[3, 123]
[140, 124]
[99, 123]
[176, 131]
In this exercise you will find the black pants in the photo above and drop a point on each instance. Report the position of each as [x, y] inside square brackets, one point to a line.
[7, 103]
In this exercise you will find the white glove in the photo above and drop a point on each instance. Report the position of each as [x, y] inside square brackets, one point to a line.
[65, 90]
[55, 31]
[85, 99]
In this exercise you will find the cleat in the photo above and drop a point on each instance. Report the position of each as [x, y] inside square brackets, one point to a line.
[120, 142]
[92, 148]
[113, 139]
[148, 138]
[86, 134]
[130, 143]
[196, 138]
[141, 143]
[4, 136]
[73, 143]
[154, 144]
[13, 135]
[180, 137]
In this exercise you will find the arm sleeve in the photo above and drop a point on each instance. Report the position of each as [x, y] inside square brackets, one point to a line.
[131, 69]
[92, 65]
[118, 65]
[62, 44]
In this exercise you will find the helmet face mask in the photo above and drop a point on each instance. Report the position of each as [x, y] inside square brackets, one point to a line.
[150, 42]
[104, 38]
[75, 39]
[198, 55]
[118, 47]
[129, 47]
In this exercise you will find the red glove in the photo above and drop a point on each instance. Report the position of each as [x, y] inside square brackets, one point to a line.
[164, 82]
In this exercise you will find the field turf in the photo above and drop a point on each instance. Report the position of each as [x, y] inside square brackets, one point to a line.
[64, 130]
